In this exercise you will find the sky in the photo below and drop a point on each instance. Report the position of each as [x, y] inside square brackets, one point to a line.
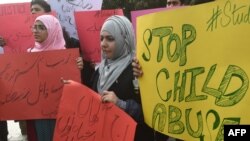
[13, 1]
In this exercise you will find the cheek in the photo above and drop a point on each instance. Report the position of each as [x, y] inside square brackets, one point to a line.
[39, 12]
[43, 37]
[112, 49]
[109, 50]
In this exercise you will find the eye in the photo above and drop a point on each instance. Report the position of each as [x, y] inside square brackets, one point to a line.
[101, 38]
[38, 28]
[41, 27]
[35, 9]
[110, 38]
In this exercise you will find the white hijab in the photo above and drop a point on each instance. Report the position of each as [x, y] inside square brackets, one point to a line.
[110, 69]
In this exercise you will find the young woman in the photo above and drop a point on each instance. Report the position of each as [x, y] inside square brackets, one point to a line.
[48, 35]
[113, 79]
[42, 7]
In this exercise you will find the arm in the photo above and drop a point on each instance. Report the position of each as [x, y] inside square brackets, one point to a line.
[130, 106]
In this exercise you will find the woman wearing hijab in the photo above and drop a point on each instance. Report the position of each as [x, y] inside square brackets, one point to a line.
[48, 35]
[113, 80]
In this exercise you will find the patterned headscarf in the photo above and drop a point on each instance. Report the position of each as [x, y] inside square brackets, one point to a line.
[55, 38]
[110, 69]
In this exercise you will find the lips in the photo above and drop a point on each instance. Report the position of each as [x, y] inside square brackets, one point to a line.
[36, 36]
[106, 51]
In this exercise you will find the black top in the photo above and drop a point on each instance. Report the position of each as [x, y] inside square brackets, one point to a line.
[124, 89]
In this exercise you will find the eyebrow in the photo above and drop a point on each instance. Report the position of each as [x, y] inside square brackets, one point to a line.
[39, 25]
[107, 35]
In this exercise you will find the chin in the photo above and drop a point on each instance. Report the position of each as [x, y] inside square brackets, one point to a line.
[109, 57]
[37, 40]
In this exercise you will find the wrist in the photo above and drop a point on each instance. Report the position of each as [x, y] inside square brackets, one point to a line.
[122, 104]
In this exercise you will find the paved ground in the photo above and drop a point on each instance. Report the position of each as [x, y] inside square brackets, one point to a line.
[14, 131]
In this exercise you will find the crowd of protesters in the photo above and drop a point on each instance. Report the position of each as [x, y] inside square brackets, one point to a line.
[114, 76]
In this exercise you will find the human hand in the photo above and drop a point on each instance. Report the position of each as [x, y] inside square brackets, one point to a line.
[2, 41]
[65, 81]
[109, 96]
[137, 70]
[79, 62]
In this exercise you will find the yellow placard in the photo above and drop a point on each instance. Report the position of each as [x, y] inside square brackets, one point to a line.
[196, 69]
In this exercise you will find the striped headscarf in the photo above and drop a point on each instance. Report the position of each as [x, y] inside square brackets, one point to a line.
[110, 69]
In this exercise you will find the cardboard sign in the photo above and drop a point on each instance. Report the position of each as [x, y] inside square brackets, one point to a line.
[200, 80]
[15, 26]
[65, 11]
[82, 116]
[31, 84]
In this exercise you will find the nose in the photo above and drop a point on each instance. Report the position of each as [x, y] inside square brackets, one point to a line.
[33, 30]
[33, 11]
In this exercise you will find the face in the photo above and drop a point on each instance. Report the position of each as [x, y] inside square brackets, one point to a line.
[173, 3]
[37, 9]
[39, 31]
[107, 44]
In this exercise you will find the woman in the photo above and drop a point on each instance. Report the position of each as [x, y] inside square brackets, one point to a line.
[48, 35]
[42, 7]
[36, 7]
[114, 77]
